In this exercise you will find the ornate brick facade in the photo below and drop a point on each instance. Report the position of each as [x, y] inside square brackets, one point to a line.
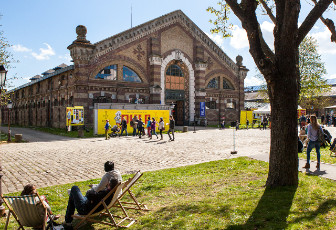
[147, 52]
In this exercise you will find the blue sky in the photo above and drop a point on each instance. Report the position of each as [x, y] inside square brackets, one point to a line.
[41, 30]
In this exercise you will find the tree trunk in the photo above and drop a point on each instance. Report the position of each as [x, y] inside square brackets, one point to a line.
[283, 92]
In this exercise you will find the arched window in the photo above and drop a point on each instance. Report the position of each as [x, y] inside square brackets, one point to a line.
[227, 84]
[174, 70]
[130, 75]
[213, 83]
[108, 73]
[174, 78]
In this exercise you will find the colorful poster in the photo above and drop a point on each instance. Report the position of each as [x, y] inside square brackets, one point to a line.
[301, 112]
[115, 117]
[75, 116]
[246, 115]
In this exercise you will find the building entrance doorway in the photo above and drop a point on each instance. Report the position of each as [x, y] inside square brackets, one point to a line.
[178, 112]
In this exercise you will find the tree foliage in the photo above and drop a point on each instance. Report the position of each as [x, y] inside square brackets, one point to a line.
[312, 70]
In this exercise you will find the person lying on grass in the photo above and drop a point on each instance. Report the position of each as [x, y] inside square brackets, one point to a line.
[84, 204]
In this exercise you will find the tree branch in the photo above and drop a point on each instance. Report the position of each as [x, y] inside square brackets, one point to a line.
[330, 24]
[311, 19]
[259, 49]
[268, 10]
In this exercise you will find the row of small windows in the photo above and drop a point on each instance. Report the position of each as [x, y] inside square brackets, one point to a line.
[214, 84]
[111, 73]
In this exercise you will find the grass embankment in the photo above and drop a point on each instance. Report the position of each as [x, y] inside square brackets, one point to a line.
[228, 194]
[325, 155]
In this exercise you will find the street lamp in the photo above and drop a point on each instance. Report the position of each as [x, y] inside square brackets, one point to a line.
[9, 106]
[3, 73]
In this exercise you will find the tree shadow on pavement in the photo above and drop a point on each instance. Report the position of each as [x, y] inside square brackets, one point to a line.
[272, 210]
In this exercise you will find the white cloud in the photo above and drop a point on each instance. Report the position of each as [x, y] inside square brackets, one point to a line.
[253, 81]
[239, 38]
[267, 31]
[44, 53]
[217, 38]
[323, 39]
[20, 48]
[333, 76]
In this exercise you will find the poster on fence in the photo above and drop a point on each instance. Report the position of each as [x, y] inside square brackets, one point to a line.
[75, 116]
[115, 116]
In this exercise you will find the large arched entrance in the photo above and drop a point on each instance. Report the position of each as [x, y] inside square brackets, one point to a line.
[177, 81]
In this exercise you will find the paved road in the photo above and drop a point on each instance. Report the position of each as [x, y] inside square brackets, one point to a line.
[59, 160]
[34, 135]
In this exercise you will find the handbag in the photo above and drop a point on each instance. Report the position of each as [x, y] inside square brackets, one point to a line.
[320, 135]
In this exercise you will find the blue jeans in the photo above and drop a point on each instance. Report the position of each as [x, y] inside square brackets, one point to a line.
[311, 145]
[122, 130]
[76, 201]
[134, 131]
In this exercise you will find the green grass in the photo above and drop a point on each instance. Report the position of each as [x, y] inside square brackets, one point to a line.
[63, 132]
[325, 155]
[227, 194]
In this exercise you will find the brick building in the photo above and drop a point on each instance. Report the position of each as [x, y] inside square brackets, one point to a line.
[166, 60]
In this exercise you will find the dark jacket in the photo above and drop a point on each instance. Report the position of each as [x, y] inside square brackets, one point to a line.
[95, 197]
[172, 124]
[124, 123]
[140, 124]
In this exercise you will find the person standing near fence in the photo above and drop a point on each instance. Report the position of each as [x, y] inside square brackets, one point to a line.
[107, 127]
[161, 127]
[171, 127]
[153, 128]
[123, 127]
[134, 124]
[149, 133]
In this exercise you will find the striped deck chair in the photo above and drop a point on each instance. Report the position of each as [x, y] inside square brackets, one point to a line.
[127, 189]
[93, 216]
[26, 211]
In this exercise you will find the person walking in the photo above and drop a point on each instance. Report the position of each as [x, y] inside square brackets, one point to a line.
[237, 125]
[107, 127]
[149, 133]
[161, 127]
[171, 127]
[313, 136]
[247, 124]
[153, 128]
[140, 127]
[134, 124]
[123, 127]
[265, 122]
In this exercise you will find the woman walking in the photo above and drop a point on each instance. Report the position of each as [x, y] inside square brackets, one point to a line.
[313, 136]
[161, 127]
[153, 128]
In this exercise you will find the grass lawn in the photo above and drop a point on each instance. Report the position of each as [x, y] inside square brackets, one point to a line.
[325, 155]
[227, 194]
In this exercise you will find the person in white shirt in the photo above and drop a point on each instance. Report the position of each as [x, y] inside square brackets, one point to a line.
[313, 136]
[110, 173]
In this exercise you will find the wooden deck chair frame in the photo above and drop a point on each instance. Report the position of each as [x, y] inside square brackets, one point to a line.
[127, 189]
[91, 216]
[11, 210]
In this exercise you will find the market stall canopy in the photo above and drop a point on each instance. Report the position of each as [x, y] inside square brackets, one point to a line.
[267, 109]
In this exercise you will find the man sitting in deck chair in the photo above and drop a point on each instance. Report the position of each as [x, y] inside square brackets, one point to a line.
[110, 173]
[84, 204]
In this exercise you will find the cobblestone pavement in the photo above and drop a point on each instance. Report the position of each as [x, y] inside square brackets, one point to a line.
[66, 161]
[61, 161]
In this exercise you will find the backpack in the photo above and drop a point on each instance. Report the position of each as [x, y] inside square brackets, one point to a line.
[132, 123]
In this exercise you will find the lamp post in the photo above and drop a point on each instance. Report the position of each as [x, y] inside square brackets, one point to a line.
[3, 73]
[9, 106]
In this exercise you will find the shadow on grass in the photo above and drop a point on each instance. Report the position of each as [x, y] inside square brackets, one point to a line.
[272, 210]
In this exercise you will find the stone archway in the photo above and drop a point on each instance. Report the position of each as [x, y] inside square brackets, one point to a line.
[178, 55]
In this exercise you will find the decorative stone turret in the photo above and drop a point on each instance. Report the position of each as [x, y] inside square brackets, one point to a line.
[242, 72]
[81, 49]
